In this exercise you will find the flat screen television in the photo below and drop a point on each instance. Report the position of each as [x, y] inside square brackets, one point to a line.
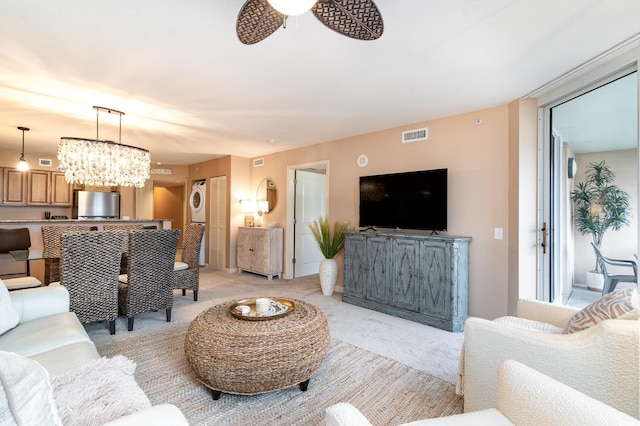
[411, 200]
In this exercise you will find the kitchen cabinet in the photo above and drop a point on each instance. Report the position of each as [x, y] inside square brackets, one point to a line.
[14, 187]
[48, 189]
[260, 251]
[419, 277]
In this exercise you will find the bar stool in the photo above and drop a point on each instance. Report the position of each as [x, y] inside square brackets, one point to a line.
[17, 239]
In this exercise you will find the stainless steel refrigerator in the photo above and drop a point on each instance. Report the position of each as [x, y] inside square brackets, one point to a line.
[96, 205]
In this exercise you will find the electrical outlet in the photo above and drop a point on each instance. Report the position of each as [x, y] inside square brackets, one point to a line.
[497, 233]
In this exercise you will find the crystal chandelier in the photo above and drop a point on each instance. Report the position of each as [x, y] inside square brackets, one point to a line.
[101, 162]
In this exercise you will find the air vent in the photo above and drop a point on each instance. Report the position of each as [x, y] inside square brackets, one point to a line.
[258, 162]
[415, 135]
[44, 162]
[161, 171]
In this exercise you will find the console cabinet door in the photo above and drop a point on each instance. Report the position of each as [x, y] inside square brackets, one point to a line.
[379, 260]
[435, 277]
[356, 266]
[244, 252]
[406, 285]
[15, 187]
[260, 251]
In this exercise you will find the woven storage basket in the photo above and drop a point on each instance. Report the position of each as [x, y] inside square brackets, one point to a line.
[238, 356]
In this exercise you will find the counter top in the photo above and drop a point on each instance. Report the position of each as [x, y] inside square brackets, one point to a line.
[54, 221]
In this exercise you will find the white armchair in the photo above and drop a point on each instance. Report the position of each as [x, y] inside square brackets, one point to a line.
[525, 397]
[602, 361]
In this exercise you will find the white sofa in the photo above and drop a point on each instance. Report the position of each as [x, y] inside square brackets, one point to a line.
[602, 361]
[54, 337]
[524, 397]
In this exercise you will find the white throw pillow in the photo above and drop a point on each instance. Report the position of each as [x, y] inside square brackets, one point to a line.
[98, 391]
[9, 317]
[619, 304]
[25, 389]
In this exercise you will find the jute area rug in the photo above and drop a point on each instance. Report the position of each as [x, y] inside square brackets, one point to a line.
[387, 392]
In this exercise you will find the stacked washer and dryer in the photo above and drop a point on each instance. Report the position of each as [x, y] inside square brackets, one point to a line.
[197, 203]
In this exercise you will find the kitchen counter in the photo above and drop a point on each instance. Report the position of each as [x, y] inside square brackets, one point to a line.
[54, 221]
[8, 265]
[35, 225]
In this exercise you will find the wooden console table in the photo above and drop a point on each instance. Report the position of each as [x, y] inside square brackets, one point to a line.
[416, 276]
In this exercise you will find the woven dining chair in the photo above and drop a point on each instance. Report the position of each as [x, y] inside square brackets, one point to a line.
[51, 246]
[186, 273]
[89, 269]
[123, 227]
[147, 285]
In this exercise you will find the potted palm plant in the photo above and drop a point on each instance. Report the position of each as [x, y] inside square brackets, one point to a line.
[330, 242]
[599, 206]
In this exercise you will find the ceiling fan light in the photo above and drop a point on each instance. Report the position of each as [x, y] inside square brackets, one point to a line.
[292, 7]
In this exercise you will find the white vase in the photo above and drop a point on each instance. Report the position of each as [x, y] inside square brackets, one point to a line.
[328, 274]
[595, 281]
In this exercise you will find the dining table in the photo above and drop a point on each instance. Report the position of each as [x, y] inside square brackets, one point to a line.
[27, 255]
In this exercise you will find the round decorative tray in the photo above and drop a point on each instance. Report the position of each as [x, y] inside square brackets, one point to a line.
[277, 308]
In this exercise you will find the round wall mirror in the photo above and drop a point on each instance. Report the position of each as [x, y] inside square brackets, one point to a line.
[266, 196]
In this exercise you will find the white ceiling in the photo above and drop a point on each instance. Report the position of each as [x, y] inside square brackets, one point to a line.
[603, 119]
[191, 91]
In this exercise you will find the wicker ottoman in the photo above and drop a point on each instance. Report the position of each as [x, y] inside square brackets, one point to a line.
[238, 356]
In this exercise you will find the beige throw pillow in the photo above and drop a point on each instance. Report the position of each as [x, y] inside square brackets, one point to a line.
[620, 304]
[8, 315]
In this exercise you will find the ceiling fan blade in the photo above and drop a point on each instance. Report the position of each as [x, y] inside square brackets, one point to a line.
[256, 21]
[359, 19]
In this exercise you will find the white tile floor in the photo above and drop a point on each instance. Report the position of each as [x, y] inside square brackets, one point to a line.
[581, 297]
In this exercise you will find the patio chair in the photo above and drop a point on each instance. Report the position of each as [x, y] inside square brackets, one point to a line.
[89, 270]
[186, 273]
[148, 284]
[611, 281]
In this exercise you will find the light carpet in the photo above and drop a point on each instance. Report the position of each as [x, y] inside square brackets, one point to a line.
[416, 345]
[386, 391]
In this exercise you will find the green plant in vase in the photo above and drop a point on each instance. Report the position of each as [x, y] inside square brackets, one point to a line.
[330, 242]
[599, 205]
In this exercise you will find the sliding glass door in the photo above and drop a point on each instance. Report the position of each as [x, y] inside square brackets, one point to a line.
[596, 127]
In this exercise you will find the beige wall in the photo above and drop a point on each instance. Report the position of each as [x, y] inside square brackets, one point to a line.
[477, 156]
[167, 204]
[521, 233]
[491, 157]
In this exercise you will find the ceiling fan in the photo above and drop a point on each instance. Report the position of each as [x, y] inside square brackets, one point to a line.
[358, 19]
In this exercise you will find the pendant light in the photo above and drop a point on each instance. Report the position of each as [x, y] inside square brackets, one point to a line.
[23, 166]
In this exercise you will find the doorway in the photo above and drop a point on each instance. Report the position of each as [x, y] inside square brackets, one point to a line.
[308, 196]
[598, 124]
[167, 204]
